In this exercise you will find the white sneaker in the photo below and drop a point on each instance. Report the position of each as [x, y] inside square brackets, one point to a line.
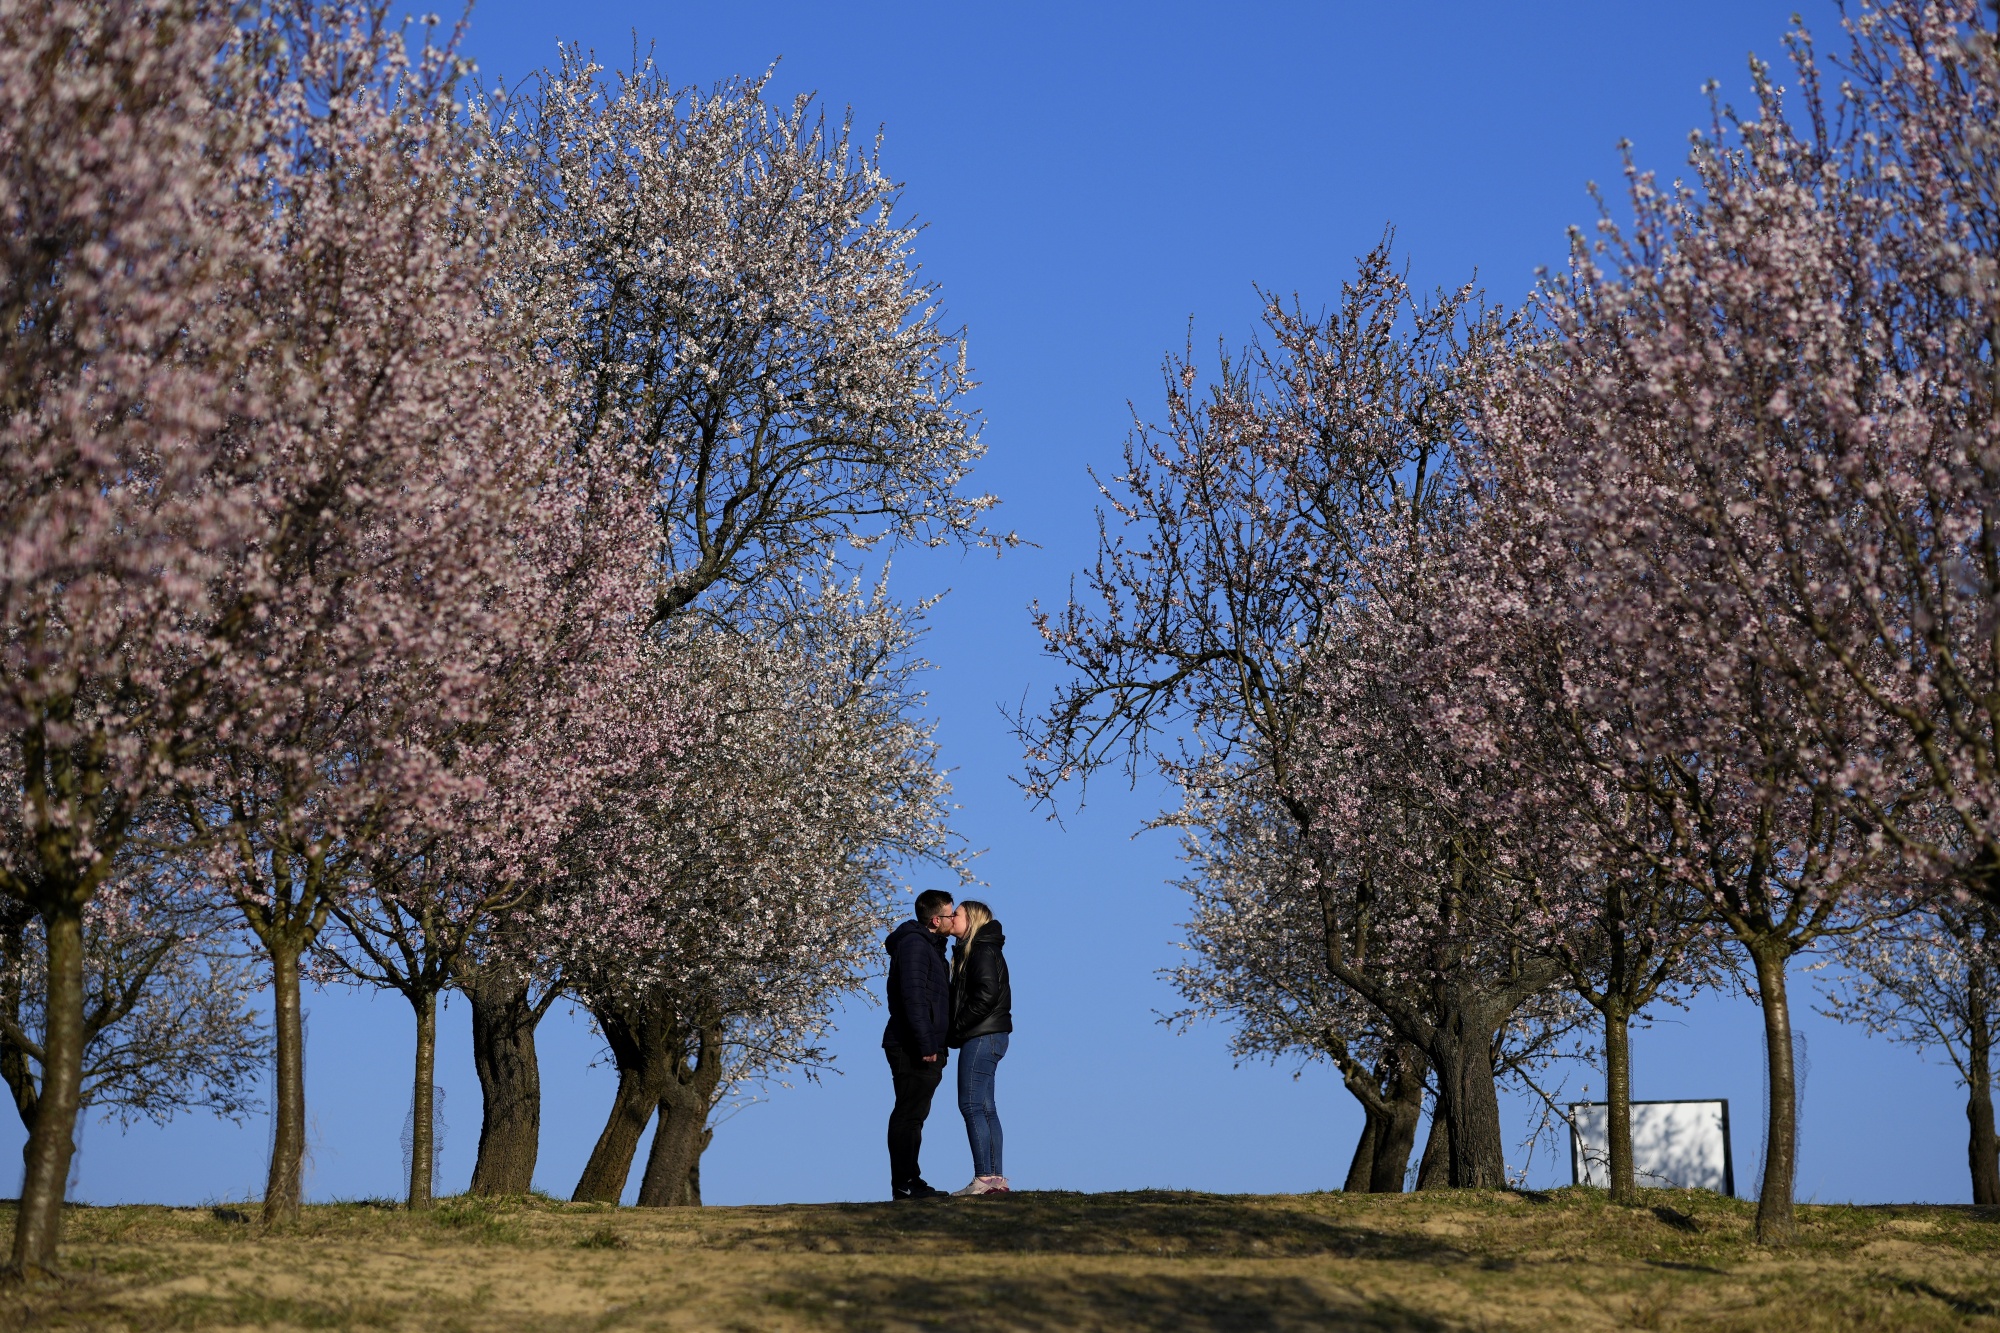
[984, 1185]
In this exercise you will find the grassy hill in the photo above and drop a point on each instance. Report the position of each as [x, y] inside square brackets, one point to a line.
[1041, 1261]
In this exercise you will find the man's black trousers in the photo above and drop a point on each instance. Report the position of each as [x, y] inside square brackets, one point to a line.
[916, 1081]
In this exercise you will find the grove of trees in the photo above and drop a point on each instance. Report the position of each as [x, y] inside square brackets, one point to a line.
[1583, 657]
[443, 547]
[443, 551]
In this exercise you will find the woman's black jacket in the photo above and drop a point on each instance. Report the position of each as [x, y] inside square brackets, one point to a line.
[981, 1000]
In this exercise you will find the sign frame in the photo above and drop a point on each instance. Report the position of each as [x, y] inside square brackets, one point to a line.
[1579, 1172]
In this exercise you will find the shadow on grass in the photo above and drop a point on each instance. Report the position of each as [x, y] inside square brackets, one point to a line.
[1965, 1305]
[1677, 1219]
[1149, 1223]
[80, 1303]
[1082, 1302]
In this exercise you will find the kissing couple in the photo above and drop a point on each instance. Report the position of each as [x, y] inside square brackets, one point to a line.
[936, 1006]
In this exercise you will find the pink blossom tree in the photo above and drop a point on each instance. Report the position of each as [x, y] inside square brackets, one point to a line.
[1709, 778]
[1533, 698]
[514, 945]
[1820, 322]
[397, 452]
[1258, 960]
[123, 512]
[1641, 448]
[1262, 613]
[568, 706]
[1424, 854]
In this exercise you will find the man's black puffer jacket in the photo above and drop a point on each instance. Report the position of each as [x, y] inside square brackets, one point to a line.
[919, 991]
[981, 1000]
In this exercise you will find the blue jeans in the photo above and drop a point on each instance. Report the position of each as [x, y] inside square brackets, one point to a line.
[978, 1061]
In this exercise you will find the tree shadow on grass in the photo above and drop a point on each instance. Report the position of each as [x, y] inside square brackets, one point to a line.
[1084, 1302]
[1965, 1305]
[1147, 1223]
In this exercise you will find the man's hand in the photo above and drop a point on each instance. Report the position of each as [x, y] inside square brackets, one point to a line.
[930, 1059]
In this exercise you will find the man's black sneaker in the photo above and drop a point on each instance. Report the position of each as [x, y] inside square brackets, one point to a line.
[920, 1190]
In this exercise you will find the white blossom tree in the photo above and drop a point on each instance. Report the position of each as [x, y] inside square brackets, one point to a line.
[719, 915]
[741, 309]
[1758, 447]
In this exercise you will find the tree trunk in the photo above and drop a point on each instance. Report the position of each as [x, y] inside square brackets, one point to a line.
[1618, 1104]
[1982, 1153]
[1391, 1105]
[288, 1110]
[1365, 1086]
[1361, 1167]
[423, 1111]
[604, 1175]
[673, 1168]
[694, 1167]
[1469, 1102]
[1434, 1169]
[51, 1142]
[1398, 1131]
[1776, 1224]
[510, 1082]
[629, 1030]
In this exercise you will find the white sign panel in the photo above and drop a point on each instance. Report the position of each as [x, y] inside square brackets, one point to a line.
[1675, 1145]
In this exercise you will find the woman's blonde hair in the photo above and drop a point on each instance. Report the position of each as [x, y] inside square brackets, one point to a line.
[977, 914]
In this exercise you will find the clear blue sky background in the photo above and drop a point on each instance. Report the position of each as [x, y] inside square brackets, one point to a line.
[1092, 176]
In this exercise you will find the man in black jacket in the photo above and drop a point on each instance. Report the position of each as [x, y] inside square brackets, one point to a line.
[919, 1029]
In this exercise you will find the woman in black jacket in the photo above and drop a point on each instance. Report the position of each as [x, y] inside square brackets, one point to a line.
[982, 1014]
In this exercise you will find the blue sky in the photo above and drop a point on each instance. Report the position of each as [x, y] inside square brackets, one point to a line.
[1093, 178]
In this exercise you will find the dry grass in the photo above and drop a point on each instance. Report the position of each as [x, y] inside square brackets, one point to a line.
[1043, 1262]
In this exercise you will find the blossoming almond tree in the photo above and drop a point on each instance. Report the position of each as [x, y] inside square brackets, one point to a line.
[730, 287]
[1831, 308]
[1259, 961]
[512, 944]
[1710, 779]
[396, 456]
[1279, 536]
[1642, 441]
[725, 912]
[122, 514]
[1533, 698]
[558, 715]
[1425, 854]
[741, 320]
